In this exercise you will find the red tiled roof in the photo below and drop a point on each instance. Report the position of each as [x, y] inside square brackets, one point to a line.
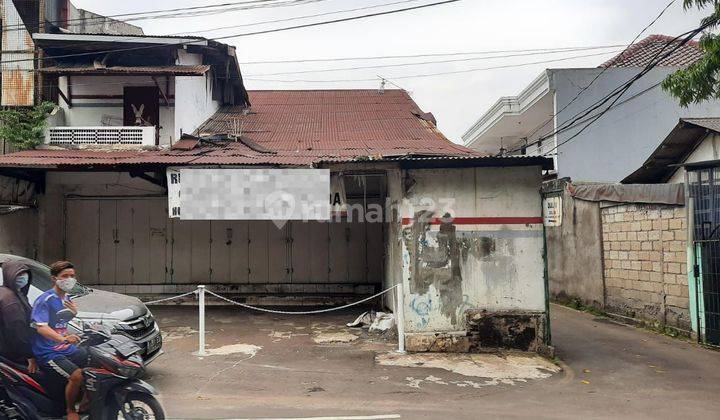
[643, 52]
[299, 128]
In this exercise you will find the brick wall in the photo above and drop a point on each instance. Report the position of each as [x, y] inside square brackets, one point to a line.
[645, 264]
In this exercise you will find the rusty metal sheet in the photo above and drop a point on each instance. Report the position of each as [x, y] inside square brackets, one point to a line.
[294, 128]
[16, 61]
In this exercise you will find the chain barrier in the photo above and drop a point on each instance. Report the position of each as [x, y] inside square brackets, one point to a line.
[319, 311]
[201, 291]
[153, 302]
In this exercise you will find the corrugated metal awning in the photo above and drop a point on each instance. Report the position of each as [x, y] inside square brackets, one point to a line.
[90, 69]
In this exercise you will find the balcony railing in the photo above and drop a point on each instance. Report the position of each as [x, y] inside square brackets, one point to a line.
[127, 135]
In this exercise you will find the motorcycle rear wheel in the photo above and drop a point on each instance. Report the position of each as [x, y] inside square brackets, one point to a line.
[138, 406]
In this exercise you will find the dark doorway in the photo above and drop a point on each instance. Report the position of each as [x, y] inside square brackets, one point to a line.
[141, 106]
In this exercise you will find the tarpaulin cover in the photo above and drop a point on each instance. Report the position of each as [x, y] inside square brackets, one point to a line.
[631, 193]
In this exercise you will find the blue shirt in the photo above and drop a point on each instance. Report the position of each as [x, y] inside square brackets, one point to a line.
[44, 312]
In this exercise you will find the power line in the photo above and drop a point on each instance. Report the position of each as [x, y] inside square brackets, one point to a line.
[267, 31]
[297, 17]
[156, 14]
[435, 74]
[389, 79]
[451, 54]
[378, 66]
[620, 90]
[584, 89]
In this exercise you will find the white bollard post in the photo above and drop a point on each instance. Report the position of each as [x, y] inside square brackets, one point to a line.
[400, 316]
[201, 320]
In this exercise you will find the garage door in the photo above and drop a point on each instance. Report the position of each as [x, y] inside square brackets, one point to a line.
[131, 241]
[115, 241]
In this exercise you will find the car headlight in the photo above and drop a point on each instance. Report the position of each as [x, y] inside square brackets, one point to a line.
[82, 323]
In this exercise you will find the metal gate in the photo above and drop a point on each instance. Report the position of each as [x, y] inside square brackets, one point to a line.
[705, 193]
[131, 241]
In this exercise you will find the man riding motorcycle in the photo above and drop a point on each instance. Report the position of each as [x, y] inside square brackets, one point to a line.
[55, 349]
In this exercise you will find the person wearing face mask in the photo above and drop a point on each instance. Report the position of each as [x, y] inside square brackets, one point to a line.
[16, 336]
[56, 350]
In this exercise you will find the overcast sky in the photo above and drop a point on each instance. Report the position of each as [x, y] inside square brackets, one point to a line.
[466, 26]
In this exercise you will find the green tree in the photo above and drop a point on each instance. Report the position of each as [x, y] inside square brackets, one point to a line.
[701, 80]
[25, 128]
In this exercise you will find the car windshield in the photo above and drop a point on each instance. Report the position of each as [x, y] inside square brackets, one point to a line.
[40, 274]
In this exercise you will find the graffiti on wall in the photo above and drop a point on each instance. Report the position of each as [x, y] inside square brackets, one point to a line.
[436, 259]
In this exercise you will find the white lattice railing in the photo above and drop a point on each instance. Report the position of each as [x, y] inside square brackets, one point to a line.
[141, 136]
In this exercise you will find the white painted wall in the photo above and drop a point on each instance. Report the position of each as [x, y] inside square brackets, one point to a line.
[90, 112]
[194, 103]
[708, 149]
[509, 277]
[619, 142]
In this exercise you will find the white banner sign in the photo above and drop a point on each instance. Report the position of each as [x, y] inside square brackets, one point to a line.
[173, 187]
[552, 211]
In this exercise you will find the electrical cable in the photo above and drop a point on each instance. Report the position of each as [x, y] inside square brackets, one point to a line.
[154, 14]
[471, 70]
[297, 17]
[450, 54]
[267, 31]
[584, 89]
[419, 63]
[620, 90]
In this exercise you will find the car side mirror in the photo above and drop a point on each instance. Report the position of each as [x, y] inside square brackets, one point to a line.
[65, 314]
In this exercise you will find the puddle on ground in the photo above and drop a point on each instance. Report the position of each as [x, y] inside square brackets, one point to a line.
[334, 337]
[248, 349]
[493, 369]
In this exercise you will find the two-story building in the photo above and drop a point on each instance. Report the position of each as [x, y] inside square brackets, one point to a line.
[460, 230]
[613, 146]
[135, 89]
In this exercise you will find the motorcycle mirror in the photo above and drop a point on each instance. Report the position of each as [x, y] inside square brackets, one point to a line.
[65, 314]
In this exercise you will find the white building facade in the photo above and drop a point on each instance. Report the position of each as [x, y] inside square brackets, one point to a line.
[539, 121]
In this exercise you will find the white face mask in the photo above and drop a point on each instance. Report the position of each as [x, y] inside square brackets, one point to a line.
[67, 284]
[22, 280]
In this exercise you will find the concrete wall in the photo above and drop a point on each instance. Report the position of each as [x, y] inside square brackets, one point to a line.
[644, 252]
[19, 233]
[450, 267]
[83, 21]
[194, 103]
[619, 142]
[574, 254]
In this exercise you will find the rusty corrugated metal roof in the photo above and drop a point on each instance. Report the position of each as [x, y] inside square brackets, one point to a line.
[293, 128]
[176, 70]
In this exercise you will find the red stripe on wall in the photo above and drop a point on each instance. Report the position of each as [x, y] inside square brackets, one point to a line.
[482, 220]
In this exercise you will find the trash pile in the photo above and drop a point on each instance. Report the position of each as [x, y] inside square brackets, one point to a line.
[382, 323]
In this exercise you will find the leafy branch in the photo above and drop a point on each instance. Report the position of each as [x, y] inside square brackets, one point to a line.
[25, 128]
[701, 80]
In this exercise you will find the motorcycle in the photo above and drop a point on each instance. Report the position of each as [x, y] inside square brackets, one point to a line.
[112, 383]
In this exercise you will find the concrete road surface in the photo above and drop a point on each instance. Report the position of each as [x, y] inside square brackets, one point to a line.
[266, 366]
